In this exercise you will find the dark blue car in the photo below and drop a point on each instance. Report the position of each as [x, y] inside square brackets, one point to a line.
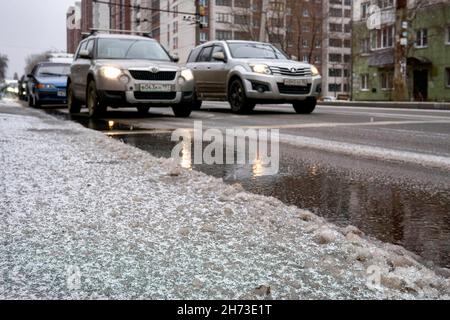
[47, 84]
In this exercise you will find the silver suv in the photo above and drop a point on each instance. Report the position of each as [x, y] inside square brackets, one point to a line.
[123, 71]
[246, 73]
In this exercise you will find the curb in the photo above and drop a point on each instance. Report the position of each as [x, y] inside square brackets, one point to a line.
[393, 105]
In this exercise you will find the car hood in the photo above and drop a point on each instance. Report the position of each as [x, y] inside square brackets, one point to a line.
[278, 63]
[131, 64]
[56, 81]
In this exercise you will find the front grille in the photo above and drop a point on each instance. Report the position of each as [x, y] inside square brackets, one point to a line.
[155, 95]
[298, 72]
[150, 76]
[294, 89]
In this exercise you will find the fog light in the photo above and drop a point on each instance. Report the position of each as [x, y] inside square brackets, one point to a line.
[124, 79]
[261, 89]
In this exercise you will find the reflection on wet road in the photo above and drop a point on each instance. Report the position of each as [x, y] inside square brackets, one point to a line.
[390, 211]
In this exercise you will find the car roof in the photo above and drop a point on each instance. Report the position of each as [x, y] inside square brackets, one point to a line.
[118, 36]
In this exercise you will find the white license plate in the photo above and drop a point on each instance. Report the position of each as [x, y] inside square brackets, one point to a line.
[61, 93]
[156, 87]
[296, 82]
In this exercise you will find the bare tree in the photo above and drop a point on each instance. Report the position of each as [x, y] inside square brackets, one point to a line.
[3, 66]
[34, 59]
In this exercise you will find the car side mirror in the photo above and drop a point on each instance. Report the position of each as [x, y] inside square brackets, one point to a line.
[85, 54]
[219, 56]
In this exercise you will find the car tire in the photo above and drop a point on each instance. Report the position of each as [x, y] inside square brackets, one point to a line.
[73, 104]
[196, 104]
[182, 110]
[30, 101]
[238, 99]
[95, 106]
[143, 110]
[305, 107]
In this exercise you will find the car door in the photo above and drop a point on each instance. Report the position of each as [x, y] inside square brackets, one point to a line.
[75, 72]
[199, 70]
[216, 74]
[84, 66]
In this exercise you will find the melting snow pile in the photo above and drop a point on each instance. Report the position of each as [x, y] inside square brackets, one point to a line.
[83, 216]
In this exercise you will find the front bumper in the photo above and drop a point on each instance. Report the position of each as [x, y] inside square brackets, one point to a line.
[275, 90]
[116, 93]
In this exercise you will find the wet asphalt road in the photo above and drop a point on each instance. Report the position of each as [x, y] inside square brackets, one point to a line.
[395, 201]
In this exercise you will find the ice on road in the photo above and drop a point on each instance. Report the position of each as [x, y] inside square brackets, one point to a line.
[83, 216]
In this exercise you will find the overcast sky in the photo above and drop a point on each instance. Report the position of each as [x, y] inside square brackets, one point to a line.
[31, 26]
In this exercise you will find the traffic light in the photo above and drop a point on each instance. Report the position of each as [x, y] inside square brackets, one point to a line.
[202, 11]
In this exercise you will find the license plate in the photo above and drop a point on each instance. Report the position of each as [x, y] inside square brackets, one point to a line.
[296, 82]
[61, 93]
[156, 87]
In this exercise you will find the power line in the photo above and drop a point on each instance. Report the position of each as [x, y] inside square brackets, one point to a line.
[146, 8]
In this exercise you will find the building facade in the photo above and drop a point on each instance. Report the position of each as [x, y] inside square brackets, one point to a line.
[337, 48]
[73, 20]
[425, 38]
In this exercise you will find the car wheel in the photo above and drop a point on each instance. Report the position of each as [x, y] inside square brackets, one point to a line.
[305, 107]
[30, 101]
[143, 110]
[95, 106]
[182, 110]
[238, 99]
[73, 104]
[196, 104]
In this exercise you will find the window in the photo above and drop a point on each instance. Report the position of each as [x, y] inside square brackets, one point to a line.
[241, 19]
[383, 38]
[387, 80]
[365, 10]
[305, 58]
[335, 72]
[335, 27]
[447, 35]
[194, 54]
[205, 55]
[364, 84]
[223, 17]
[421, 38]
[447, 77]
[335, 57]
[347, 28]
[242, 3]
[347, 43]
[175, 27]
[224, 35]
[175, 11]
[203, 36]
[223, 2]
[318, 44]
[365, 45]
[305, 44]
[317, 59]
[306, 13]
[335, 12]
[347, 58]
[334, 87]
[175, 43]
[337, 43]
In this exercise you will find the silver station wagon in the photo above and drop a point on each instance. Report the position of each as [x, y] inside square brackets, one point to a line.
[127, 71]
[246, 73]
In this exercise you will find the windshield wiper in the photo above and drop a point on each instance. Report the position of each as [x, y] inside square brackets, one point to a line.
[51, 74]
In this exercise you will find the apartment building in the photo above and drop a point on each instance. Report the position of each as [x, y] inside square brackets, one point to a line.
[337, 48]
[425, 37]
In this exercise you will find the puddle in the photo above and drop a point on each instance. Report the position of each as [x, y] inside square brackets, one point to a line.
[416, 219]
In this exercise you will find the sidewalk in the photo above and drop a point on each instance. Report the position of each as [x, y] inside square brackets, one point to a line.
[390, 104]
[83, 216]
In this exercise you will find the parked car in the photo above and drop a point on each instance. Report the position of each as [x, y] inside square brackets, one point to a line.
[246, 73]
[47, 84]
[127, 70]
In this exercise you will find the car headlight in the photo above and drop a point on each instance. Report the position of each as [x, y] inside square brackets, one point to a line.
[187, 74]
[314, 71]
[260, 68]
[111, 72]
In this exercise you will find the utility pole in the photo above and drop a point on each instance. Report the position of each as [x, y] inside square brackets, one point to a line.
[264, 12]
[400, 92]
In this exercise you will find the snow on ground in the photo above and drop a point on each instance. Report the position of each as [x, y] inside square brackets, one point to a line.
[83, 216]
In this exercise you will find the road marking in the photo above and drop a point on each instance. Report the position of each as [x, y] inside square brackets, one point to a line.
[343, 124]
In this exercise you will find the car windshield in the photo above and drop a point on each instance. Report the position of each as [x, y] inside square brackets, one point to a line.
[54, 70]
[256, 51]
[131, 49]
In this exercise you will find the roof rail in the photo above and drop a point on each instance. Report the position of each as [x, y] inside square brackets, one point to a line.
[143, 33]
